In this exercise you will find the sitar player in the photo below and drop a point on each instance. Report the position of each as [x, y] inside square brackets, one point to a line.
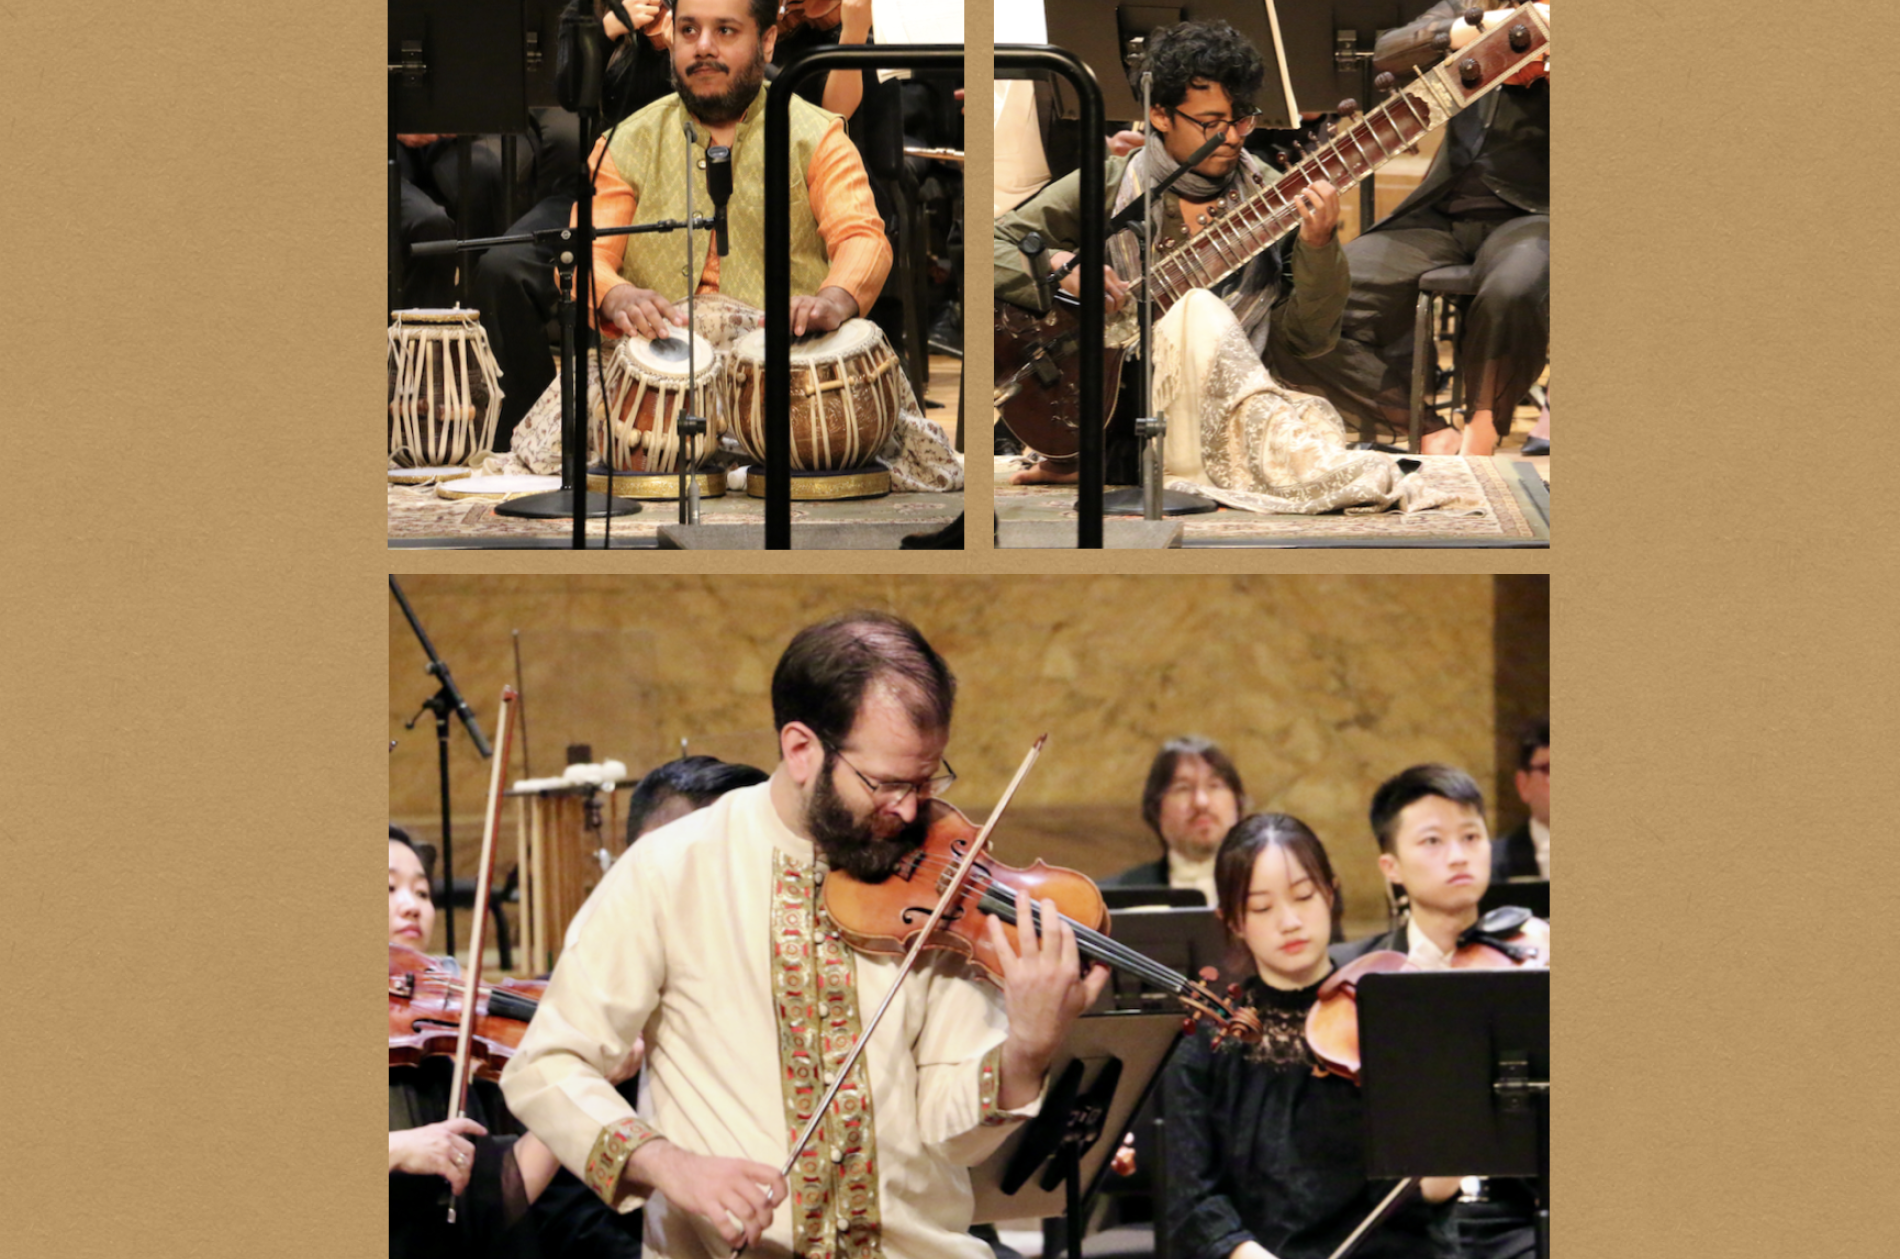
[1233, 431]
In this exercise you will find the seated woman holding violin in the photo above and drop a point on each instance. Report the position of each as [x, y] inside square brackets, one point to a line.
[480, 1160]
[1263, 1139]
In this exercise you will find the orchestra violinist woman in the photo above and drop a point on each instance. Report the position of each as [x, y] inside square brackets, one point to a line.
[1264, 1156]
[494, 1172]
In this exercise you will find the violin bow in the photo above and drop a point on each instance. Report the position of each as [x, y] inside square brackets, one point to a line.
[955, 887]
[471, 989]
[1390, 1203]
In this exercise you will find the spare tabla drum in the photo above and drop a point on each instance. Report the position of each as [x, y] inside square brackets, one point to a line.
[444, 389]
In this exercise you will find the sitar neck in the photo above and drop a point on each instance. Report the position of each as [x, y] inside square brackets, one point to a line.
[1353, 153]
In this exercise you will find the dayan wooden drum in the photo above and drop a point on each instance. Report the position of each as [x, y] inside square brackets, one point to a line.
[844, 396]
[647, 393]
[444, 389]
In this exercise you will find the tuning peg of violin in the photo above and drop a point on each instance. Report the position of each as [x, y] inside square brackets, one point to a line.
[1383, 82]
[1187, 1026]
[1209, 974]
[1233, 990]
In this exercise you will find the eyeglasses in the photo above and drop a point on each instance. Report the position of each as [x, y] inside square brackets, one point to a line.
[890, 795]
[1242, 125]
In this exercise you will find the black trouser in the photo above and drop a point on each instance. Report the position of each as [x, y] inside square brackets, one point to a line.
[1506, 338]
[514, 290]
[431, 195]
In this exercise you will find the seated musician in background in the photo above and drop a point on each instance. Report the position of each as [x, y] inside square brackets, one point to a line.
[1265, 1157]
[495, 1171]
[1192, 798]
[1231, 427]
[1433, 843]
[514, 284]
[807, 25]
[495, 1177]
[1485, 202]
[1524, 853]
[714, 937]
[671, 791]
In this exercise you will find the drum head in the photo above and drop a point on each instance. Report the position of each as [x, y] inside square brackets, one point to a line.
[665, 359]
[456, 316]
[426, 476]
[851, 337]
[497, 487]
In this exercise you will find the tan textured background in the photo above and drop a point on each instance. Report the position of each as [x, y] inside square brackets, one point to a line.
[1318, 687]
[191, 260]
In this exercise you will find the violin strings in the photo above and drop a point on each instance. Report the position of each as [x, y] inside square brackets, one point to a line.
[1093, 943]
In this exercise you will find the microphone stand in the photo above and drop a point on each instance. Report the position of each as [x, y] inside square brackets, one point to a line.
[446, 700]
[1150, 501]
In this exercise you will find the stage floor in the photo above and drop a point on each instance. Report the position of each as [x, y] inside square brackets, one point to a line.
[1513, 514]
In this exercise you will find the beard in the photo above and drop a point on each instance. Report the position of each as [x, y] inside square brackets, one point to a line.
[849, 843]
[730, 105]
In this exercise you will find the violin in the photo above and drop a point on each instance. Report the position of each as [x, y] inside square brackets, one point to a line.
[425, 1014]
[885, 918]
[1507, 938]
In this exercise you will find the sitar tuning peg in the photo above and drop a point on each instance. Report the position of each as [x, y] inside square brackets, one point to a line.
[1348, 107]
[1383, 82]
[1474, 16]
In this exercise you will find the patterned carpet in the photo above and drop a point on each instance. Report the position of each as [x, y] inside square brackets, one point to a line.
[1503, 517]
[416, 513]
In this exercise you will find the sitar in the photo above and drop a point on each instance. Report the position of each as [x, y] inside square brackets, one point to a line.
[1037, 360]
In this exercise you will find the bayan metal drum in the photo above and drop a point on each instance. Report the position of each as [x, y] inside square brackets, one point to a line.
[647, 393]
[444, 388]
[844, 396]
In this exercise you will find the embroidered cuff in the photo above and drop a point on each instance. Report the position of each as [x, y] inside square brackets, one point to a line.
[990, 1091]
[612, 1149]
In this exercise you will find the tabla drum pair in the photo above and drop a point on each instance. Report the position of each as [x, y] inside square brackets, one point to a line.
[844, 405]
[444, 394]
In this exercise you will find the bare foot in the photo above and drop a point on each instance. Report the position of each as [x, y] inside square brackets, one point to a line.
[1048, 472]
[1480, 437]
[1443, 441]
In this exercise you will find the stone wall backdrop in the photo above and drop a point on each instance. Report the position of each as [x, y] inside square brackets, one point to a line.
[1318, 687]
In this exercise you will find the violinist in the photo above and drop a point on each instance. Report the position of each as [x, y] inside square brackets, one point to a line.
[493, 1172]
[711, 936]
[1264, 1156]
[1433, 844]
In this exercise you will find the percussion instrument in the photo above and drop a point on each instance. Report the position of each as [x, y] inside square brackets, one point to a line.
[844, 396]
[429, 476]
[499, 488]
[444, 388]
[647, 393]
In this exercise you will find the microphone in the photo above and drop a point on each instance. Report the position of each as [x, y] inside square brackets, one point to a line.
[1032, 248]
[719, 183]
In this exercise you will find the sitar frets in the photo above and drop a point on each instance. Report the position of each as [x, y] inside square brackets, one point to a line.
[1226, 245]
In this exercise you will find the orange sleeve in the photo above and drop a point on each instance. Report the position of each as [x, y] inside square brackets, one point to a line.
[614, 206]
[847, 218]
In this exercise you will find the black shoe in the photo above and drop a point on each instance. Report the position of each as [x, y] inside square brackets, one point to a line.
[1006, 443]
[946, 335]
[1536, 446]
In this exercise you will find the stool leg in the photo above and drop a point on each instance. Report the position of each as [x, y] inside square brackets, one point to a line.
[1424, 356]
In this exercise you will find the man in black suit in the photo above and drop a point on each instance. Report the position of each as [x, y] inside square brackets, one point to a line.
[1524, 853]
[1192, 798]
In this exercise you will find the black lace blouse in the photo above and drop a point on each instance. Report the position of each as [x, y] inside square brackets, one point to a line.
[1260, 1148]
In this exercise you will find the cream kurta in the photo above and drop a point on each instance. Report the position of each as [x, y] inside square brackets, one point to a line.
[705, 937]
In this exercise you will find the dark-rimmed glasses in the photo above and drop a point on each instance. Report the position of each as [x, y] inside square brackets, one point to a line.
[890, 795]
[1243, 125]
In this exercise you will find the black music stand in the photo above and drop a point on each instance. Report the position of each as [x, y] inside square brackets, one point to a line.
[1056, 1163]
[456, 67]
[1532, 894]
[1456, 1077]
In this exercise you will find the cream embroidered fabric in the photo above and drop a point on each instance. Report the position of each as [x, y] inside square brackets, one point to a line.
[920, 456]
[1240, 438]
[686, 939]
